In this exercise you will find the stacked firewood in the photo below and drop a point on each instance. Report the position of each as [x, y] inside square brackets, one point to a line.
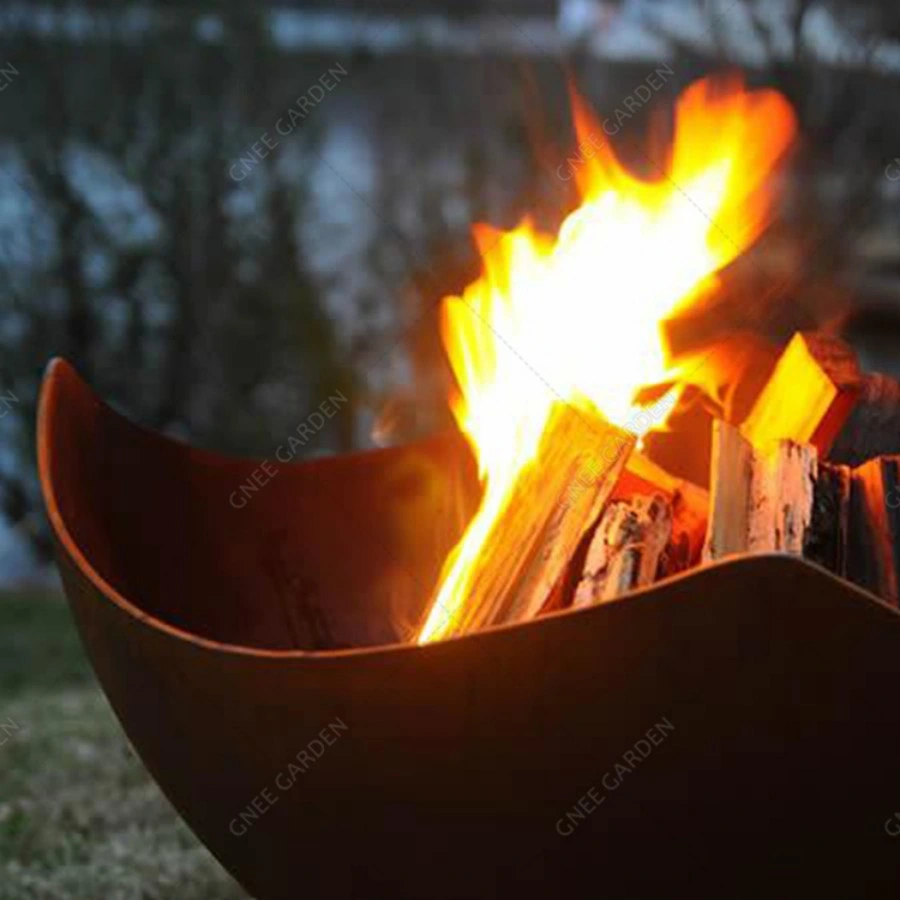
[812, 470]
[808, 472]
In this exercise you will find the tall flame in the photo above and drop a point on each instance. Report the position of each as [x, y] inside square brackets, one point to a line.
[577, 319]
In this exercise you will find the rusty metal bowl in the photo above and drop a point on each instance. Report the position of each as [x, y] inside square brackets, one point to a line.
[510, 763]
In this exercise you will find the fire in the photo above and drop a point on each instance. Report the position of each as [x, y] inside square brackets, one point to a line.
[577, 319]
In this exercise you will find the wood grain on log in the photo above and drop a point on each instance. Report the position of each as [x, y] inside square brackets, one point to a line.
[810, 395]
[689, 503]
[731, 475]
[761, 500]
[626, 548]
[873, 558]
[855, 528]
[556, 500]
[826, 538]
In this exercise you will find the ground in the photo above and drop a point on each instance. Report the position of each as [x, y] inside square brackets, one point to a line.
[80, 818]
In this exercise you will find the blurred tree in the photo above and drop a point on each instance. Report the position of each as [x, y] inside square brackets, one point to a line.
[175, 283]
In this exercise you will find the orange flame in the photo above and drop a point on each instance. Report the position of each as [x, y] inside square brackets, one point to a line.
[577, 319]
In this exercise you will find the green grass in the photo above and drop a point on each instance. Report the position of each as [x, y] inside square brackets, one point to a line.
[80, 818]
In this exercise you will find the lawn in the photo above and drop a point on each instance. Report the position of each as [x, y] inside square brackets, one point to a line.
[80, 818]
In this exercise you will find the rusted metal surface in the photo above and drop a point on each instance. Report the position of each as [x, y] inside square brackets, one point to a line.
[458, 770]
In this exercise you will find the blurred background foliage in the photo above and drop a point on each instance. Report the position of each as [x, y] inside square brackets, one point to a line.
[218, 293]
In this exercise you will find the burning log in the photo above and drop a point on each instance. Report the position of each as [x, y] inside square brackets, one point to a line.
[809, 396]
[826, 540]
[581, 461]
[761, 500]
[626, 549]
[654, 526]
[769, 492]
[818, 395]
[555, 502]
[856, 524]
[874, 532]
[689, 504]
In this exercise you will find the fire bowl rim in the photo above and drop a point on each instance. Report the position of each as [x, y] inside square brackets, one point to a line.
[59, 368]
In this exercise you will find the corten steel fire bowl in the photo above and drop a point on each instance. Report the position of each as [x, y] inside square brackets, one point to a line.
[511, 763]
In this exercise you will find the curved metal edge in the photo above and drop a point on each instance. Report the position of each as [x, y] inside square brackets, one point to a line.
[58, 370]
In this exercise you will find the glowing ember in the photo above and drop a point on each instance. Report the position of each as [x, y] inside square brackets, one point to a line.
[577, 319]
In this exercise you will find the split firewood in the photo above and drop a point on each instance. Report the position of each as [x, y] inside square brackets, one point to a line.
[768, 491]
[689, 504]
[856, 524]
[827, 538]
[809, 396]
[761, 500]
[818, 395]
[554, 503]
[783, 500]
[626, 549]
[873, 529]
